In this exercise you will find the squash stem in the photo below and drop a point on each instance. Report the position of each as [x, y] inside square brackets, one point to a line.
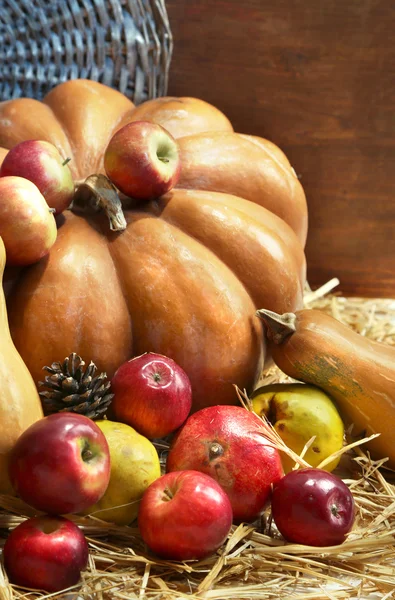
[278, 326]
[98, 193]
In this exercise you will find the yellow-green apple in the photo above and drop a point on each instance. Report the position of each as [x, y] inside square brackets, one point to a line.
[298, 412]
[312, 507]
[46, 553]
[41, 163]
[184, 515]
[142, 160]
[61, 464]
[27, 226]
[229, 443]
[152, 394]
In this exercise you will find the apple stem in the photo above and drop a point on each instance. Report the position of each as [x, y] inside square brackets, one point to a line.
[164, 159]
[167, 495]
[86, 455]
[66, 161]
[98, 193]
[278, 327]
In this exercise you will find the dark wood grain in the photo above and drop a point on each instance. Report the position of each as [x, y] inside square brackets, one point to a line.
[318, 79]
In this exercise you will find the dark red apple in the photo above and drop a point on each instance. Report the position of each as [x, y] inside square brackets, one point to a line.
[61, 464]
[45, 553]
[152, 394]
[312, 507]
[41, 163]
[142, 160]
[27, 226]
[226, 442]
[184, 515]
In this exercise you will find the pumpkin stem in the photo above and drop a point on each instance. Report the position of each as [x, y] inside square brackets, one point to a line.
[278, 327]
[98, 193]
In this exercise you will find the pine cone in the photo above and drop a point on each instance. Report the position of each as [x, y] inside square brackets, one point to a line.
[71, 389]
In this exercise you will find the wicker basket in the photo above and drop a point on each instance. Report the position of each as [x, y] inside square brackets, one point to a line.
[126, 44]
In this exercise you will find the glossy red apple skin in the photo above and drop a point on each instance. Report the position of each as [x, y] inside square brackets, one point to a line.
[142, 160]
[152, 394]
[61, 464]
[184, 515]
[226, 442]
[313, 507]
[27, 226]
[46, 553]
[41, 163]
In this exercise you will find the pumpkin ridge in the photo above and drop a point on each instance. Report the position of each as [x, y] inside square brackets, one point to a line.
[229, 163]
[87, 110]
[197, 238]
[272, 246]
[73, 290]
[103, 224]
[12, 111]
[174, 316]
[182, 116]
[288, 173]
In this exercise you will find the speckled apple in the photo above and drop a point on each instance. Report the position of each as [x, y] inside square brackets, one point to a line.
[41, 163]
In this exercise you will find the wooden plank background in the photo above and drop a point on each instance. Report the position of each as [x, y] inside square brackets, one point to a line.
[318, 79]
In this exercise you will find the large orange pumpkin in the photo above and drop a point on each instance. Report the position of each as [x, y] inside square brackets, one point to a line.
[185, 277]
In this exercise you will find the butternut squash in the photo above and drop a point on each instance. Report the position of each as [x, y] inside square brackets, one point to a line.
[20, 404]
[358, 373]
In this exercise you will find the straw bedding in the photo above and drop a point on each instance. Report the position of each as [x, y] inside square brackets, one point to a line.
[255, 562]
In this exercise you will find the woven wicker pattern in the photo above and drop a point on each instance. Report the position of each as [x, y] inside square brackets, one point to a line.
[125, 44]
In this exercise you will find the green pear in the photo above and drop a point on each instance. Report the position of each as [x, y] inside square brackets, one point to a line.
[298, 412]
[134, 466]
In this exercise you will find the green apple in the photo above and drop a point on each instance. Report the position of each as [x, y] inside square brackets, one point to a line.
[298, 412]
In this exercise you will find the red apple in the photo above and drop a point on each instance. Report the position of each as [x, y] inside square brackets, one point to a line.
[41, 163]
[152, 394]
[27, 226]
[312, 507]
[61, 464]
[184, 515]
[226, 442]
[142, 160]
[46, 553]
